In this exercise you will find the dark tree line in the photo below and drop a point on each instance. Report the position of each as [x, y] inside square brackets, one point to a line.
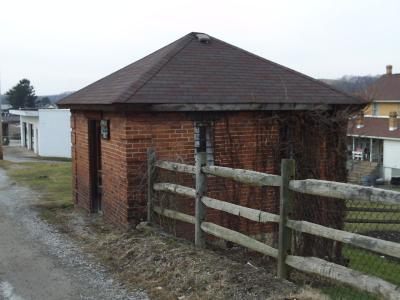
[22, 95]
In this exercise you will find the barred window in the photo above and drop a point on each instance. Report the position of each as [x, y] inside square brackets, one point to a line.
[203, 140]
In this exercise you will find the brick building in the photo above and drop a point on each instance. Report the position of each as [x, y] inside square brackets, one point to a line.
[250, 111]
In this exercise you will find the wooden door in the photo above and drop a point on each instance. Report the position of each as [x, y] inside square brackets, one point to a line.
[32, 137]
[95, 165]
[25, 134]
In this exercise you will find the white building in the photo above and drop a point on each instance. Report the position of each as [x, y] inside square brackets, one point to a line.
[376, 140]
[47, 132]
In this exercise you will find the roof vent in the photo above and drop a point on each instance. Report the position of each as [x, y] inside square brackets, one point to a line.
[203, 38]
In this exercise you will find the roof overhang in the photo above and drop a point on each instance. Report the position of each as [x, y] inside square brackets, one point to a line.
[203, 107]
[386, 101]
[374, 137]
[377, 117]
[26, 113]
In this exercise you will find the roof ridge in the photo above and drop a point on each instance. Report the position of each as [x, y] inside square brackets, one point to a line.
[292, 71]
[147, 76]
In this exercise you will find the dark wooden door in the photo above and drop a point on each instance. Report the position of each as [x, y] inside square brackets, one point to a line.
[95, 165]
[32, 135]
[25, 134]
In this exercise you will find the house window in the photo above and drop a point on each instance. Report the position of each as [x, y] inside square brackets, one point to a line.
[375, 109]
[203, 141]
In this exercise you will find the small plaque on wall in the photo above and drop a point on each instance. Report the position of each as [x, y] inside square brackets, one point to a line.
[105, 129]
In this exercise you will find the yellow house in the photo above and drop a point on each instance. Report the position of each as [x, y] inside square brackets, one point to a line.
[374, 138]
[385, 95]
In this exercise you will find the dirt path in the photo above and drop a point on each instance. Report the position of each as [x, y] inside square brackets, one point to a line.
[36, 262]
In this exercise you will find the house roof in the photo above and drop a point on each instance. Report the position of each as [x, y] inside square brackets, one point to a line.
[192, 70]
[25, 112]
[387, 87]
[377, 127]
[9, 118]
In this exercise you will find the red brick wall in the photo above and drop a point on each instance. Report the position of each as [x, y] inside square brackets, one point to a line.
[172, 137]
[114, 157]
[245, 140]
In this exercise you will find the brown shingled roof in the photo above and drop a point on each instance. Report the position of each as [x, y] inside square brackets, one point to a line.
[192, 72]
[387, 87]
[373, 127]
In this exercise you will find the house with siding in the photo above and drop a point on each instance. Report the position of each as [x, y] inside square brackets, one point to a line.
[249, 112]
[46, 132]
[374, 137]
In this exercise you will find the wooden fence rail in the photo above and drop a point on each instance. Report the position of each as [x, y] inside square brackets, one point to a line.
[173, 214]
[288, 185]
[345, 275]
[244, 176]
[177, 167]
[345, 191]
[362, 241]
[234, 209]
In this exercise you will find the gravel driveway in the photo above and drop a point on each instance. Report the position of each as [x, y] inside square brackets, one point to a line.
[36, 262]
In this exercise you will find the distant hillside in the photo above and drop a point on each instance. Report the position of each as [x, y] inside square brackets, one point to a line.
[352, 84]
[55, 98]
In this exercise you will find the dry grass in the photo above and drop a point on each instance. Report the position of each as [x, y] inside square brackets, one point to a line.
[308, 293]
[171, 268]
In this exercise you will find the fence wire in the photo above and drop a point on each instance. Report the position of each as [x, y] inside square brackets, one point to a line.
[366, 218]
[376, 220]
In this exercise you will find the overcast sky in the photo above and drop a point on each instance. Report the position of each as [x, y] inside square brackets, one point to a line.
[63, 45]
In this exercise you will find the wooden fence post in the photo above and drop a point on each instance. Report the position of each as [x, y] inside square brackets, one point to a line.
[286, 203]
[201, 160]
[151, 159]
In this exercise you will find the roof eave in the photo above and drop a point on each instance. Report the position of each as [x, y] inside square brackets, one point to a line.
[159, 107]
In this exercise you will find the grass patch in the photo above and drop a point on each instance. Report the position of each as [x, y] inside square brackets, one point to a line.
[373, 264]
[51, 180]
[54, 158]
[368, 263]
[365, 261]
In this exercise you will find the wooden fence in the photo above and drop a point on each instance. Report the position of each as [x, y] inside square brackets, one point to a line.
[288, 185]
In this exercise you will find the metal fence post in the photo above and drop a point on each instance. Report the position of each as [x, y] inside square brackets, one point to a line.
[286, 203]
[201, 160]
[151, 159]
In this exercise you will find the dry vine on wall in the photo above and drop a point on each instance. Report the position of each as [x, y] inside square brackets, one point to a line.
[317, 141]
